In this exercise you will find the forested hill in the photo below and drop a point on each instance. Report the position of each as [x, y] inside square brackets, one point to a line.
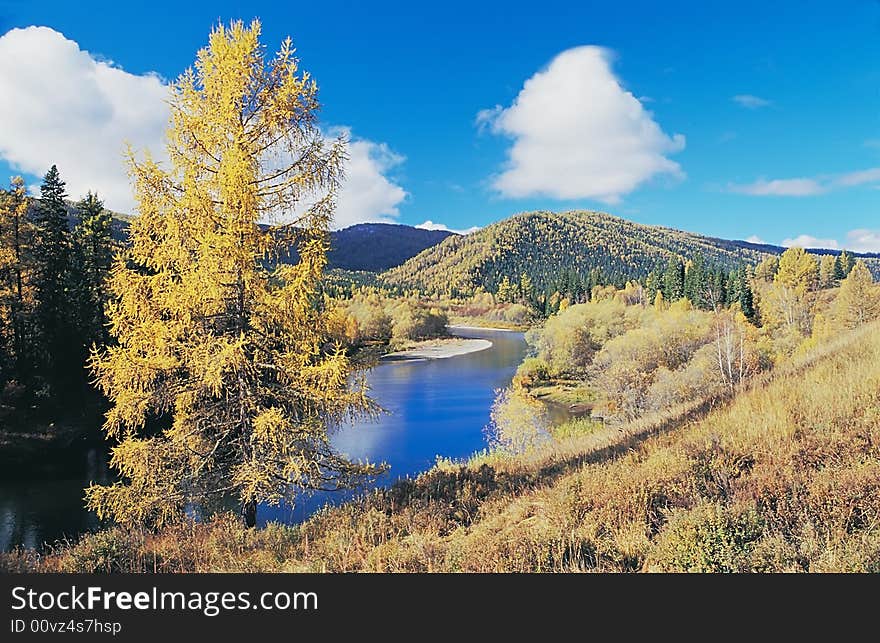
[379, 246]
[544, 245]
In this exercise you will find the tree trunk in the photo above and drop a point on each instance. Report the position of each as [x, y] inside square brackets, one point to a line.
[249, 511]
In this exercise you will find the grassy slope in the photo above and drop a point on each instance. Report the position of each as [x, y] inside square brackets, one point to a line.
[786, 476]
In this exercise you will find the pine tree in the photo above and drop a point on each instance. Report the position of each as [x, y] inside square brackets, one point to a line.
[719, 290]
[673, 280]
[235, 354]
[57, 335]
[94, 248]
[746, 297]
[695, 281]
[839, 273]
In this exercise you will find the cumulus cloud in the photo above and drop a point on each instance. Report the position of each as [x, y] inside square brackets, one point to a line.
[780, 187]
[577, 133]
[367, 194]
[60, 104]
[755, 239]
[809, 241]
[806, 186]
[430, 225]
[750, 101]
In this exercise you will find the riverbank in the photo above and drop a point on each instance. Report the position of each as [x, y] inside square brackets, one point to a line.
[438, 349]
[499, 329]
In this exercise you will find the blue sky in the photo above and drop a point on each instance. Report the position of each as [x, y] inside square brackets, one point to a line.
[631, 107]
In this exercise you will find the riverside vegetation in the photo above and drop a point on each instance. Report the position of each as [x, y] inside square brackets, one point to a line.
[776, 469]
[727, 395]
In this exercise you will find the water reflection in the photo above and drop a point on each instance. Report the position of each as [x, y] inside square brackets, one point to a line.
[48, 508]
[435, 408]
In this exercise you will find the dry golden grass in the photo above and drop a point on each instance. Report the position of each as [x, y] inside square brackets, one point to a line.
[784, 477]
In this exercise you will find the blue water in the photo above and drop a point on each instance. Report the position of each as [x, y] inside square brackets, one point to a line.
[433, 407]
[437, 407]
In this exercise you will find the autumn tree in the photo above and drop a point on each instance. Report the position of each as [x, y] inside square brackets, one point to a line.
[788, 299]
[766, 270]
[16, 273]
[505, 292]
[827, 268]
[233, 353]
[798, 270]
[858, 301]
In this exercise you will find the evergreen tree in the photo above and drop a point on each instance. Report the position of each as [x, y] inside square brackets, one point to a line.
[57, 335]
[94, 251]
[673, 280]
[719, 290]
[839, 272]
[745, 297]
[695, 280]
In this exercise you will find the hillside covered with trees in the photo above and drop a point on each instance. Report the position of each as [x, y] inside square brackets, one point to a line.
[376, 247]
[549, 247]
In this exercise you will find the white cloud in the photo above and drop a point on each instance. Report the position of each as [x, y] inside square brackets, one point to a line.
[62, 105]
[751, 102]
[430, 225]
[577, 133]
[755, 239]
[367, 194]
[863, 240]
[780, 187]
[859, 240]
[809, 241]
[861, 177]
[807, 186]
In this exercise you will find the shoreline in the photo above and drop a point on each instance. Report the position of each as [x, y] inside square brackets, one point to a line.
[465, 327]
[438, 349]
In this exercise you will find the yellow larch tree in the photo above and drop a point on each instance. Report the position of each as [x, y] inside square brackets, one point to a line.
[16, 273]
[224, 383]
[858, 301]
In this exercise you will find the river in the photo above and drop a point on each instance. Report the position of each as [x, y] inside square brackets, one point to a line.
[432, 407]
